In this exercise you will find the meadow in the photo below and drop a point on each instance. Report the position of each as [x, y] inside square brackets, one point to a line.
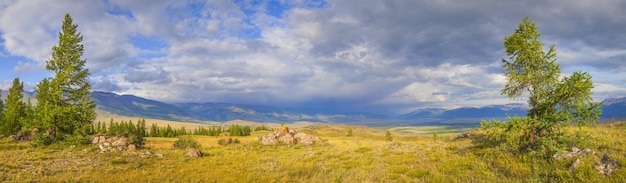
[414, 155]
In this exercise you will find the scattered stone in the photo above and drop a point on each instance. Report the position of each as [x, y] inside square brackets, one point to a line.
[132, 147]
[51, 132]
[607, 165]
[121, 142]
[269, 139]
[460, 136]
[193, 153]
[98, 139]
[2, 136]
[158, 155]
[574, 153]
[574, 165]
[104, 147]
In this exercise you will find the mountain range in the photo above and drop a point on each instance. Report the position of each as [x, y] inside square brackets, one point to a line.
[130, 105]
[134, 106]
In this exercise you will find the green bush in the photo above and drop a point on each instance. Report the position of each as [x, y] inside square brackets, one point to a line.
[186, 142]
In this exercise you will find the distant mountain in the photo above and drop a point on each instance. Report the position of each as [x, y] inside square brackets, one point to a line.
[423, 113]
[134, 106]
[492, 111]
[130, 105]
[614, 108]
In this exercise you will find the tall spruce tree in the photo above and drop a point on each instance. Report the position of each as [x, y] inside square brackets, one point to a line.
[15, 109]
[68, 103]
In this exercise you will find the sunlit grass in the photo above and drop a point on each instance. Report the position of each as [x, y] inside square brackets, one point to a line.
[364, 157]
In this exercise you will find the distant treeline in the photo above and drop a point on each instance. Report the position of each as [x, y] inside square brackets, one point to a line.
[127, 127]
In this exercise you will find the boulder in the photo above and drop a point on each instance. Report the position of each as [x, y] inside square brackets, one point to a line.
[288, 139]
[98, 139]
[306, 139]
[269, 139]
[288, 136]
[1, 136]
[607, 165]
[104, 147]
[193, 153]
[132, 147]
[574, 165]
[121, 142]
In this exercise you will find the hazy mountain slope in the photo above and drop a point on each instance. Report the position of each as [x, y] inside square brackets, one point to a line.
[130, 105]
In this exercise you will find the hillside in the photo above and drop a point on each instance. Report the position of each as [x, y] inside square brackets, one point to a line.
[364, 157]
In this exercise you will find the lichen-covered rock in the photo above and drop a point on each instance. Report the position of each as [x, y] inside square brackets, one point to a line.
[288, 136]
[288, 139]
[121, 142]
[269, 139]
[193, 153]
[306, 139]
[607, 165]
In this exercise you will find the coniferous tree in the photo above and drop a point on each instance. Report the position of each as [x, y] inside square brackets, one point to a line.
[154, 130]
[388, 136]
[71, 106]
[29, 120]
[1, 111]
[555, 101]
[15, 109]
[45, 112]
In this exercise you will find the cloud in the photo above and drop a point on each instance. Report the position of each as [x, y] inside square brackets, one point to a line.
[105, 83]
[331, 55]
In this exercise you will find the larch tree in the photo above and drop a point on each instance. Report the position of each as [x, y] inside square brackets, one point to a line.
[15, 109]
[555, 101]
[68, 105]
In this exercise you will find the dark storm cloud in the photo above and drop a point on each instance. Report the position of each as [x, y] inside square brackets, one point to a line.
[157, 76]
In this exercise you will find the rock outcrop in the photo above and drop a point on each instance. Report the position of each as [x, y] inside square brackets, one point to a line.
[288, 136]
[112, 143]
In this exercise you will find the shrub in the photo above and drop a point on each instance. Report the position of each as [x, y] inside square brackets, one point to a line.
[388, 136]
[186, 142]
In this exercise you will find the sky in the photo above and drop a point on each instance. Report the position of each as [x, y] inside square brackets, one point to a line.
[337, 55]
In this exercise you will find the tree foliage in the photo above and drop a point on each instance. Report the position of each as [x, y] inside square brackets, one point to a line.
[15, 109]
[555, 101]
[65, 106]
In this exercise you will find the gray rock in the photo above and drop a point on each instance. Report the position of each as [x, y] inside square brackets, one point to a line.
[607, 165]
[574, 165]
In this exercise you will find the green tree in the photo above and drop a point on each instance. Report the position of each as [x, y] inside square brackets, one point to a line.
[68, 91]
[1, 111]
[555, 101]
[349, 132]
[15, 109]
[388, 136]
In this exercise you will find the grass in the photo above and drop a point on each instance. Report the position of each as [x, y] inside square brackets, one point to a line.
[365, 157]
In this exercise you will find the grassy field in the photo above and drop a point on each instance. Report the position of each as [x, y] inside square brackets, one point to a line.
[412, 156]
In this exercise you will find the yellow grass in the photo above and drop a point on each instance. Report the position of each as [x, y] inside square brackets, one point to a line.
[365, 157]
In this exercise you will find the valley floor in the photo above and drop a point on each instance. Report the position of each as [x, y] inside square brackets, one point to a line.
[364, 157]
